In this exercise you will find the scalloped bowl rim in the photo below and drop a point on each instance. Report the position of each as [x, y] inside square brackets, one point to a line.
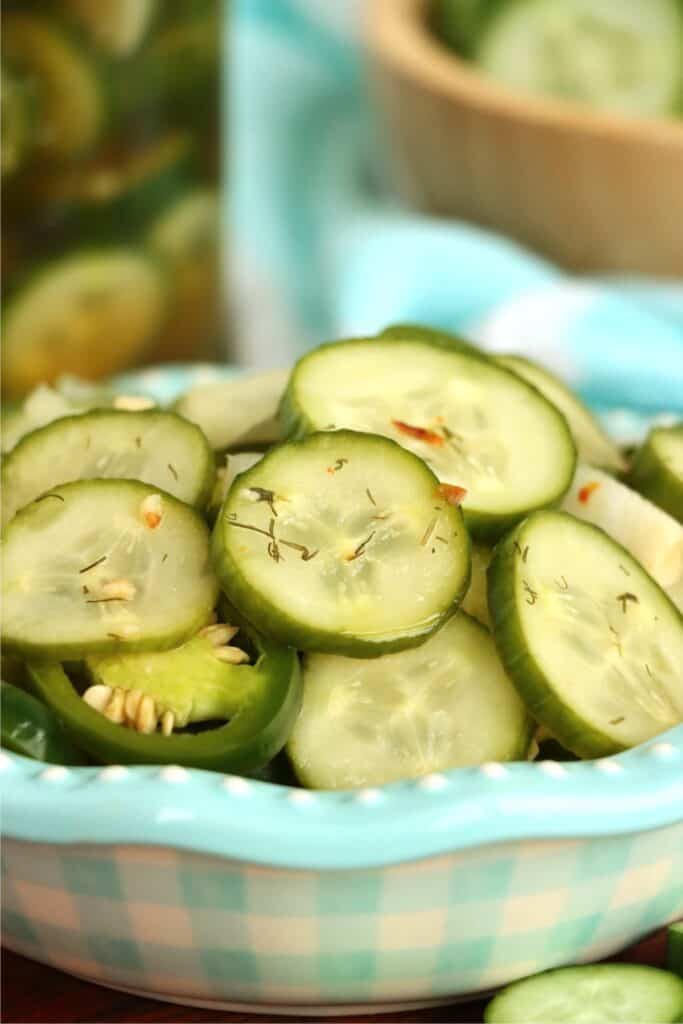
[249, 820]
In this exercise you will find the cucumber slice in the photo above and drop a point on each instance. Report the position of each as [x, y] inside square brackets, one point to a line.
[625, 57]
[675, 592]
[344, 543]
[674, 949]
[417, 332]
[593, 645]
[89, 313]
[239, 412]
[657, 469]
[474, 423]
[460, 23]
[118, 27]
[475, 601]
[597, 993]
[445, 704]
[101, 565]
[592, 443]
[648, 533]
[69, 395]
[154, 446]
[114, 194]
[18, 119]
[180, 66]
[70, 92]
[186, 236]
[43, 405]
[225, 475]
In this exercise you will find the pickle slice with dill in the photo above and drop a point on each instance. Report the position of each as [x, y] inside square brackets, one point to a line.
[343, 542]
[592, 443]
[154, 446]
[472, 421]
[100, 566]
[657, 469]
[68, 396]
[445, 704]
[592, 643]
[234, 464]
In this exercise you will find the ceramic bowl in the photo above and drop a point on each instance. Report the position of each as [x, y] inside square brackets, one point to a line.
[591, 191]
[221, 891]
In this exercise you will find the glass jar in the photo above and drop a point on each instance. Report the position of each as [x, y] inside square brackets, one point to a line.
[110, 174]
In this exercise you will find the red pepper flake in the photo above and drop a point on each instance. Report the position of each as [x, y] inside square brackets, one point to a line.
[420, 433]
[586, 491]
[453, 494]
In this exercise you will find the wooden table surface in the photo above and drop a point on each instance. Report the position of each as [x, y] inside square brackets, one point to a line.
[32, 992]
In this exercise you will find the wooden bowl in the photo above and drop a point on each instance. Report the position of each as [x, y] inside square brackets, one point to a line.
[591, 191]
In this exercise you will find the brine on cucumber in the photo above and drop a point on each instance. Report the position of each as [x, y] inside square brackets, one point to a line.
[152, 445]
[102, 566]
[471, 421]
[592, 643]
[657, 469]
[445, 704]
[343, 542]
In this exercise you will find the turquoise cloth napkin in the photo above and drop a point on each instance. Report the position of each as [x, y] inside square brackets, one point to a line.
[322, 249]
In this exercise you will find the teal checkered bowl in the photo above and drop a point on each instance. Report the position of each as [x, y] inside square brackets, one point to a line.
[223, 891]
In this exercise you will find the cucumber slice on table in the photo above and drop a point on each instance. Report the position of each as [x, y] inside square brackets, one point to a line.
[88, 313]
[344, 543]
[473, 422]
[104, 565]
[591, 642]
[674, 948]
[238, 412]
[445, 704]
[69, 88]
[154, 446]
[657, 469]
[625, 57]
[654, 538]
[592, 443]
[594, 994]
[116, 26]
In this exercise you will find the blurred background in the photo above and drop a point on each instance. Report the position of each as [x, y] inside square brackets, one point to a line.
[237, 181]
